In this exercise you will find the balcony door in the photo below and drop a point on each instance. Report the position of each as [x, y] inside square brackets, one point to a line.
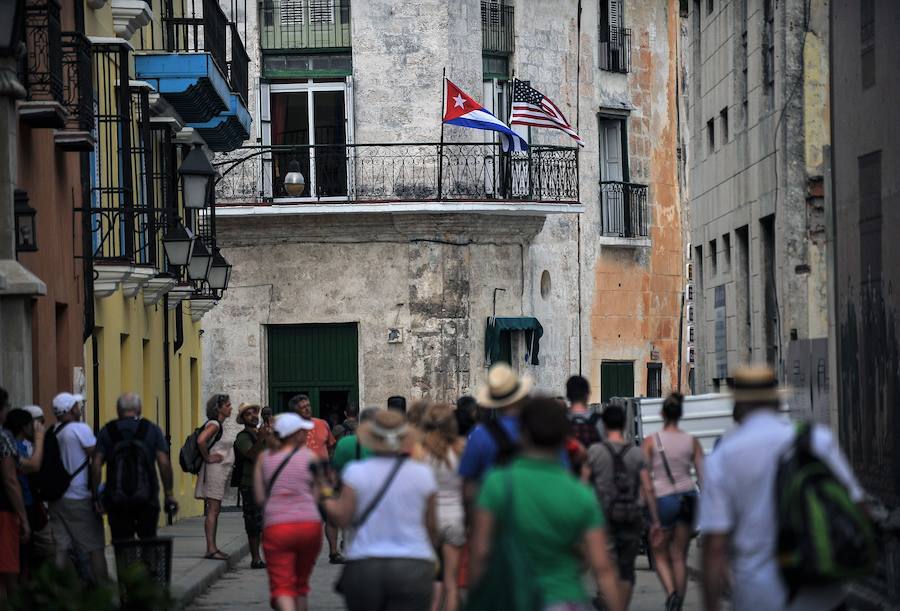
[613, 173]
[308, 126]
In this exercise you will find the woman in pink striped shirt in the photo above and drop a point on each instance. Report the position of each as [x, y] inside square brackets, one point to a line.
[292, 533]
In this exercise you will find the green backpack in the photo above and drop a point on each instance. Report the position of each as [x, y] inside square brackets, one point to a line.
[823, 536]
[509, 581]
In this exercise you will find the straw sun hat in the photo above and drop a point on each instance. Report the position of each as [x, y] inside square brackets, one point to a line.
[755, 384]
[504, 387]
[386, 433]
[243, 408]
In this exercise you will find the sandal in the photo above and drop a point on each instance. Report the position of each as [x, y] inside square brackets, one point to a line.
[335, 558]
[216, 555]
[257, 564]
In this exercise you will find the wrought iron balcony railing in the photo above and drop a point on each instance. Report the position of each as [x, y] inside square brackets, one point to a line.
[78, 93]
[41, 69]
[624, 210]
[194, 31]
[304, 24]
[362, 173]
[497, 28]
[615, 49]
[238, 64]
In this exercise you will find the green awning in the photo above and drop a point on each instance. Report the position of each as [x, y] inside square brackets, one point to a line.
[527, 324]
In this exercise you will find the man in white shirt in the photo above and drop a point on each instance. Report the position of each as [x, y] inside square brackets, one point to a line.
[738, 515]
[74, 519]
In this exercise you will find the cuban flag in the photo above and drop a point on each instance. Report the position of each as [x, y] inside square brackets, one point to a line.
[461, 109]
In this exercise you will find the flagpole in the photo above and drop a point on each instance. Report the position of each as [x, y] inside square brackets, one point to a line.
[440, 174]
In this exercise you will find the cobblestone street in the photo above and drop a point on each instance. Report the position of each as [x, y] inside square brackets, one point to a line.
[245, 588]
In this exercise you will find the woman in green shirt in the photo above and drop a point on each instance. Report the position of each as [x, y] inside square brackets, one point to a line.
[554, 518]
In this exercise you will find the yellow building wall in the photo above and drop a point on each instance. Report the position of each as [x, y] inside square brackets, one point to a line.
[131, 339]
[131, 344]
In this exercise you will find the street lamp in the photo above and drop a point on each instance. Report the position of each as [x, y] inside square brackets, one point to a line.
[219, 272]
[196, 173]
[26, 227]
[294, 183]
[179, 245]
[201, 259]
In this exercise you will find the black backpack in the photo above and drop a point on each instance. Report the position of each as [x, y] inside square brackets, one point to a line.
[129, 469]
[623, 509]
[189, 457]
[584, 427]
[507, 449]
[53, 480]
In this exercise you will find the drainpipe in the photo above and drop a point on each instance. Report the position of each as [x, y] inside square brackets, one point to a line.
[167, 380]
[680, 340]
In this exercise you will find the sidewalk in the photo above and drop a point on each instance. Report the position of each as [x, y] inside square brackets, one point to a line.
[192, 574]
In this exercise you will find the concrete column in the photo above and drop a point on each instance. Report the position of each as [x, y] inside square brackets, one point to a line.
[17, 284]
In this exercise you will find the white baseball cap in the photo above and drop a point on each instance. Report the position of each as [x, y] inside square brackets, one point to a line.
[35, 411]
[289, 423]
[64, 402]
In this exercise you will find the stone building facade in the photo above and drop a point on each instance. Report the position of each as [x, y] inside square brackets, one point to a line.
[865, 191]
[366, 286]
[757, 114]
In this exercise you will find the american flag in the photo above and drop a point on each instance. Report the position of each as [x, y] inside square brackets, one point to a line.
[531, 107]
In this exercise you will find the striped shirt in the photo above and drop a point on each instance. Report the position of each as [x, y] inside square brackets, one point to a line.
[291, 499]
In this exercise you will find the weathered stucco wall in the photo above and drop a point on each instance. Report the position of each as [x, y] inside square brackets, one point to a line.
[434, 279]
[758, 171]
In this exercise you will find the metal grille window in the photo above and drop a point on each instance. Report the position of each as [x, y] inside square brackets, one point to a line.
[112, 193]
[654, 379]
[43, 62]
[144, 198]
[304, 24]
[78, 90]
[497, 27]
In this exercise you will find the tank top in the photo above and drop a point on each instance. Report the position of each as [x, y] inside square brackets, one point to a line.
[449, 482]
[679, 449]
[291, 499]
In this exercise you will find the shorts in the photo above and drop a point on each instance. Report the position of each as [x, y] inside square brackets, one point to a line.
[674, 508]
[9, 542]
[253, 516]
[625, 543]
[291, 550]
[568, 607]
[451, 527]
[75, 525]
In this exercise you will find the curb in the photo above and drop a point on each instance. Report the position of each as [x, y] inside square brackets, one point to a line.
[196, 581]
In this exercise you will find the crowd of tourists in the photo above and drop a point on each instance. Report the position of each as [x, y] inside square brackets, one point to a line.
[504, 500]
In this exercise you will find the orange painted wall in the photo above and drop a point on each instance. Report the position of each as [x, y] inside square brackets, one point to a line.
[637, 296]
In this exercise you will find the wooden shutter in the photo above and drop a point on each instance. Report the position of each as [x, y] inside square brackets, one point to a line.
[321, 11]
[291, 13]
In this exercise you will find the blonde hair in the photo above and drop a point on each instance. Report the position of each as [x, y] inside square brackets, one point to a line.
[439, 424]
[416, 412]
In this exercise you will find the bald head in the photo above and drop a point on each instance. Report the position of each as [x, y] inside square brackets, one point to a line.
[129, 405]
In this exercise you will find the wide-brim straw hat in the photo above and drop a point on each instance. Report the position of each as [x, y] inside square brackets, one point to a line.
[387, 433]
[243, 408]
[755, 384]
[504, 387]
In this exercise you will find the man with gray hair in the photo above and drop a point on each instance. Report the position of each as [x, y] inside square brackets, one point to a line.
[131, 447]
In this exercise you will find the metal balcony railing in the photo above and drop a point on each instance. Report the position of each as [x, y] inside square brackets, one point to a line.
[497, 28]
[42, 69]
[359, 173]
[238, 64]
[304, 24]
[199, 30]
[624, 210]
[615, 49]
[78, 92]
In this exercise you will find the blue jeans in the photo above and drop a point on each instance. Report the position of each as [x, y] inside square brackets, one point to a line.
[674, 508]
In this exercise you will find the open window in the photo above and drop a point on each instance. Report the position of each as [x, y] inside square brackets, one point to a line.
[504, 334]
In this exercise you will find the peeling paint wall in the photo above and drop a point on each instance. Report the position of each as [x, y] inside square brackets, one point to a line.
[443, 269]
[762, 180]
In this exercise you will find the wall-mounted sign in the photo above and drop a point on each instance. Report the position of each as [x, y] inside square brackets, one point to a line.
[395, 335]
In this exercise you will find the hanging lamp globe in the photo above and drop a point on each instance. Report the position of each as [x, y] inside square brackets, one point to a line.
[294, 182]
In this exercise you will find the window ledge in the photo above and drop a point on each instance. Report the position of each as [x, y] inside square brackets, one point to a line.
[625, 242]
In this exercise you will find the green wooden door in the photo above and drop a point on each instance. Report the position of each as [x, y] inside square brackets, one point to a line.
[317, 360]
[616, 379]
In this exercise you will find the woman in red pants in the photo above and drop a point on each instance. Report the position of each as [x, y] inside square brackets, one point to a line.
[292, 533]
